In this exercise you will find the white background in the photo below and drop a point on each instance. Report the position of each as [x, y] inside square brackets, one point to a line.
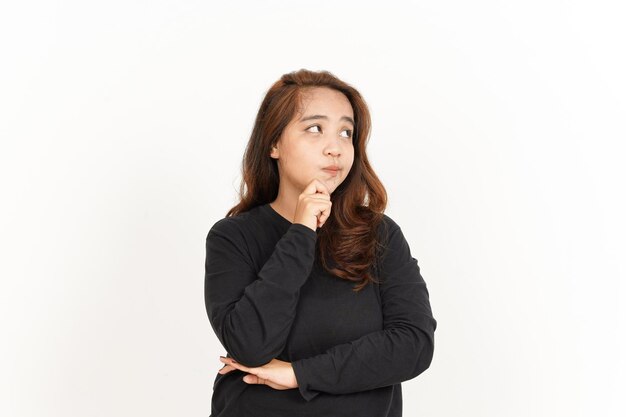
[498, 130]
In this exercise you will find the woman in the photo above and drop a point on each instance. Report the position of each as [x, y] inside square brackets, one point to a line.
[309, 286]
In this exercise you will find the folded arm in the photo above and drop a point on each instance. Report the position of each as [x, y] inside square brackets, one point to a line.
[252, 313]
[399, 352]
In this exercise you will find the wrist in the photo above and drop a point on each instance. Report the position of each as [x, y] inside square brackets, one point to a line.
[293, 376]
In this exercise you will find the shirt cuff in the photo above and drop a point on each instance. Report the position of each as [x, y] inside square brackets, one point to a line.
[305, 229]
[301, 377]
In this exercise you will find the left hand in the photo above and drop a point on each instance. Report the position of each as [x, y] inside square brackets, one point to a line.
[276, 373]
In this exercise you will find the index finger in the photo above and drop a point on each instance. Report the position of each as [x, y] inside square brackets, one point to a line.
[234, 364]
[317, 186]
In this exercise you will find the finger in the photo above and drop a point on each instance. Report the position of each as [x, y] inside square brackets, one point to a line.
[320, 196]
[234, 364]
[316, 186]
[254, 379]
[324, 214]
[321, 220]
[325, 211]
[226, 369]
[322, 187]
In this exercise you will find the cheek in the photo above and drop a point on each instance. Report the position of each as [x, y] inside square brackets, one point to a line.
[298, 162]
[351, 157]
[303, 158]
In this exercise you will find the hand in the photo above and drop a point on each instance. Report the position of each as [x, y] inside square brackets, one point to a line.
[313, 207]
[276, 373]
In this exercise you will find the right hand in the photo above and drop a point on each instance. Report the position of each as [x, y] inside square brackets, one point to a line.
[313, 208]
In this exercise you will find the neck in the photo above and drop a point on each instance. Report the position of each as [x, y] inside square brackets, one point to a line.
[285, 205]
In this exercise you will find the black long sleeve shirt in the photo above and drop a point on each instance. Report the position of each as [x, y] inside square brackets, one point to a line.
[268, 297]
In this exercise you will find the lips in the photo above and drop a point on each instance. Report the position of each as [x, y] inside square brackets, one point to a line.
[332, 170]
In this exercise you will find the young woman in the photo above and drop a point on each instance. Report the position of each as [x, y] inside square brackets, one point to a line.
[309, 286]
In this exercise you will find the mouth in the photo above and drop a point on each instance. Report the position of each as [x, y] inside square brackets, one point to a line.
[331, 171]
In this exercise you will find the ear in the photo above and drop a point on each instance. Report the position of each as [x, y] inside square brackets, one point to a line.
[274, 152]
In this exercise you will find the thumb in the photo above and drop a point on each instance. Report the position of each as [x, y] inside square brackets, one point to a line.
[253, 379]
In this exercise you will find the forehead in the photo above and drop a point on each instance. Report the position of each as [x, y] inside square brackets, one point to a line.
[326, 101]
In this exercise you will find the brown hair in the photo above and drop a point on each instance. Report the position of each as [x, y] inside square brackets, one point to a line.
[349, 237]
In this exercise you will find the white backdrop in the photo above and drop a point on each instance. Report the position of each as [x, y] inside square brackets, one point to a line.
[498, 130]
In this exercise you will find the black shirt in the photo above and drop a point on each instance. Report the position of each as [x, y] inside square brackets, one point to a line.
[268, 297]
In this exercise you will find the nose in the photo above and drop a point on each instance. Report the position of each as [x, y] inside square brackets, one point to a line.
[332, 148]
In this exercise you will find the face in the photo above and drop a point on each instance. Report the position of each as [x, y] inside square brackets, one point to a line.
[319, 136]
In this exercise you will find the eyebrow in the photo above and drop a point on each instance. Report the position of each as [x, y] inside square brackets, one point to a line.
[319, 116]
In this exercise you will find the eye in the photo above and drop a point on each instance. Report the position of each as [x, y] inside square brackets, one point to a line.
[349, 136]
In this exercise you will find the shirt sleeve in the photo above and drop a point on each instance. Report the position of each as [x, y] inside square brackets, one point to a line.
[401, 351]
[252, 313]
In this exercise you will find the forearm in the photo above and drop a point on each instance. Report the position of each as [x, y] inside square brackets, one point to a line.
[252, 313]
[255, 329]
[378, 359]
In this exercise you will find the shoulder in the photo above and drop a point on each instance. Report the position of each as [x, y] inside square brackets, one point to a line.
[227, 239]
[233, 226]
[225, 227]
[389, 222]
[394, 250]
[243, 229]
[233, 230]
[389, 231]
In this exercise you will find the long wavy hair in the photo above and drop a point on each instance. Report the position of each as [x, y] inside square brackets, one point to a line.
[347, 245]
